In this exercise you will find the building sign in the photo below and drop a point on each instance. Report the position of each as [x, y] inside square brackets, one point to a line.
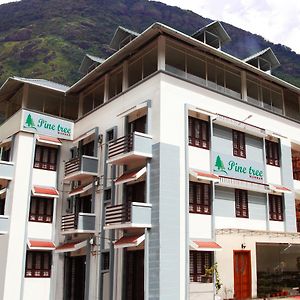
[46, 125]
[235, 167]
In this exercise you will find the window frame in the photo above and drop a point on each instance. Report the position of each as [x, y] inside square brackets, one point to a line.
[276, 209]
[203, 204]
[199, 261]
[199, 142]
[45, 165]
[44, 217]
[241, 203]
[238, 143]
[272, 153]
[33, 271]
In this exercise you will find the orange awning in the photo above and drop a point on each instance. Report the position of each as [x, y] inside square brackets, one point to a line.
[81, 189]
[130, 176]
[40, 245]
[199, 245]
[279, 188]
[70, 247]
[204, 175]
[44, 191]
[129, 241]
[49, 140]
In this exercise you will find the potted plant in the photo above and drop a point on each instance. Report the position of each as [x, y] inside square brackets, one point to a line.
[213, 272]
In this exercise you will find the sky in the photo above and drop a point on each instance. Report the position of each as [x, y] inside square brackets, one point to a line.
[276, 20]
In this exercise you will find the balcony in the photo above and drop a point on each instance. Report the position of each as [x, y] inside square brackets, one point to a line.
[78, 223]
[128, 215]
[6, 170]
[81, 167]
[133, 147]
[4, 224]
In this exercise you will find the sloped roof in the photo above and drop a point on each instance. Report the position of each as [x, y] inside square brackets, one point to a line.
[88, 61]
[215, 28]
[266, 54]
[120, 35]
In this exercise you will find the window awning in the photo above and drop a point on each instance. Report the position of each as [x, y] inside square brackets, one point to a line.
[243, 184]
[40, 245]
[84, 136]
[279, 188]
[70, 247]
[204, 175]
[130, 176]
[5, 142]
[44, 191]
[48, 140]
[204, 245]
[129, 241]
[81, 189]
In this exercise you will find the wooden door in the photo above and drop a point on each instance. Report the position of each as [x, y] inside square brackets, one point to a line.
[134, 280]
[242, 274]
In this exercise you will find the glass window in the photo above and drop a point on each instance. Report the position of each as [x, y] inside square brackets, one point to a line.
[41, 210]
[275, 207]
[38, 264]
[292, 107]
[241, 203]
[175, 61]
[253, 93]
[150, 62]
[199, 262]
[272, 153]
[233, 84]
[87, 104]
[220, 77]
[196, 70]
[115, 83]
[199, 198]
[45, 158]
[199, 133]
[239, 147]
[277, 102]
[135, 72]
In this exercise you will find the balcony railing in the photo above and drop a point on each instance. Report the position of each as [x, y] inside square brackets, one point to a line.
[128, 215]
[4, 224]
[135, 146]
[80, 167]
[78, 223]
[6, 170]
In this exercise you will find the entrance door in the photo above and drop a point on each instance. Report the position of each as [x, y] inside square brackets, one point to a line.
[75, 277]
[242, 274]
[134, 281]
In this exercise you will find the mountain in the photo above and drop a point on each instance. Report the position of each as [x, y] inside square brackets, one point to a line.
[48, 38]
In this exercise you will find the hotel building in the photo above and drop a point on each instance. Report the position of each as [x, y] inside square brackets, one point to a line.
[170, 170]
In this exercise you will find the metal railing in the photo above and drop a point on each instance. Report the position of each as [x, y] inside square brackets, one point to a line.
[121, 145]
[118, 214]
[72, 165]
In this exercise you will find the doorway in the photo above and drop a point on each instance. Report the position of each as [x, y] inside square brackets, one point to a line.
[242, 274]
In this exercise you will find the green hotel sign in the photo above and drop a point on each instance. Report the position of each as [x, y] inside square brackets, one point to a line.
[239, 168]
[47, 125]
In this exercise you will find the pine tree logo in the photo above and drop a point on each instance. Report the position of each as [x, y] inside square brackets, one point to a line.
[220, 165]
[29, 122]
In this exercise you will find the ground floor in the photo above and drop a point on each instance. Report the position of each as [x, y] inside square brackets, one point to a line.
[258, 263]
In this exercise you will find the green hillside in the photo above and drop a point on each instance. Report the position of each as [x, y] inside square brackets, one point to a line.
[47, 39]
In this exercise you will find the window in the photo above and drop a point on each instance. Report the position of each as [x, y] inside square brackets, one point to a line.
[199, 262]
[238, 139]
[241, 204]
[93, 98]
[38, 264]
[45, 158]
[200, 198]
[107, 195]
[198, 133]
[2, 205]
[105, 261]
[41, 210]
[275, 208]
[272, 153]
[88, 149]
[135, 192]
[115, 83]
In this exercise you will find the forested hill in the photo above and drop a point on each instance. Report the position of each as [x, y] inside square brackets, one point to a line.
[48, 38]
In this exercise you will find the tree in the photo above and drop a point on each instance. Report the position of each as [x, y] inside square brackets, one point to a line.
[29, 122]
[220, 165]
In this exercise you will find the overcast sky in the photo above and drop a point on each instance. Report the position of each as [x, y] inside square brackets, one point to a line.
[276, 20]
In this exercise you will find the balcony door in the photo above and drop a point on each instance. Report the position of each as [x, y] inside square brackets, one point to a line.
[134, 276]
[138, 125]
[135, 192]
[83, 204]
[74, 277]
